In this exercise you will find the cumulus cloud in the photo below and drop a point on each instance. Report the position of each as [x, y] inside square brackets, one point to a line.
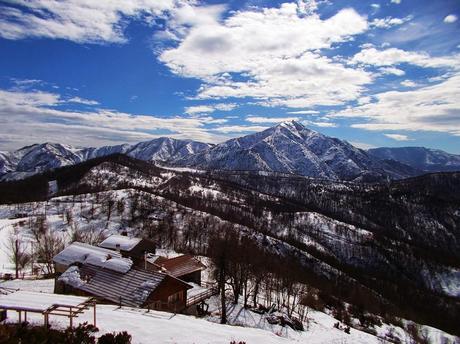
[451, 18]
[28, 117]
[429, 108]
[78, 21]
[275, 53]
[395, 56]
[398, 137]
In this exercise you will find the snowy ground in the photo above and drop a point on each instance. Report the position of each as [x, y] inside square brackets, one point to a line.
[41, 285]
[161, 327]
[243, 324]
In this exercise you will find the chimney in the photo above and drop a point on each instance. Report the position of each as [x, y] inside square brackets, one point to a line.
[118, 248]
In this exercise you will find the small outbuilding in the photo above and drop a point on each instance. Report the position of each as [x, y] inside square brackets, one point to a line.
[185, 267]
[134, 248]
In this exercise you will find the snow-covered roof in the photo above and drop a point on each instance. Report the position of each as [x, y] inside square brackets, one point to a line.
[126, 243]
[38, 302]
[78, 252]
[131, 288]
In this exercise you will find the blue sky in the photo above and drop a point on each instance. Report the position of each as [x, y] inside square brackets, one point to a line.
[91, 73]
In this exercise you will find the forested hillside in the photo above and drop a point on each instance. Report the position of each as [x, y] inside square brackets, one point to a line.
[389, 248]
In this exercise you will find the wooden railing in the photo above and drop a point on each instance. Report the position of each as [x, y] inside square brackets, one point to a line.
[206, 294]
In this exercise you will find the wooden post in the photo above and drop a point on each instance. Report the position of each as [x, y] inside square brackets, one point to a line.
[20, 316]
[25, 316]
[71, 318]
[94, 314]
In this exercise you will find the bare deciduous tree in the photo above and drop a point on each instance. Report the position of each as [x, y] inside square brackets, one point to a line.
[17, 252]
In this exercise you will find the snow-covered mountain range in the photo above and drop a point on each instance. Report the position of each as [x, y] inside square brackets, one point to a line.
[289, 147]
[292, 148]
[41, 157]
[425, 159]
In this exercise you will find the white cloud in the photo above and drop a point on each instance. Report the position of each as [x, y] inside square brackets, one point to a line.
[451, 18]
[240, 129]
[198, 109]
[257, 119]
[398, 137]
[28, 117]
[324, 124]
[392, 70]
[396, 2]
[364, 100]
[386, 23]
[430, 108]
[83, 101]
[275, 51]
[304, 112]
[76, 20]
[409, 83]
[394, 56]
[26, 83]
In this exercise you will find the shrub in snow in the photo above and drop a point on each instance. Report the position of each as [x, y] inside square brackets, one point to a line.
[115, 338]
[82, 334]
[24, 333]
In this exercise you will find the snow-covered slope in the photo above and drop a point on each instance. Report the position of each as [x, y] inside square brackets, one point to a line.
[290, 147]
[341, 232]
[420, 157]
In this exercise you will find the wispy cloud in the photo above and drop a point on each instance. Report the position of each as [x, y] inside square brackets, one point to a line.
[388, 22]
[398, 137]
[83, 101]
[429, 108]
[28, 117]
[303, 112]
[257, 119]
[240, 128]
[200, 109]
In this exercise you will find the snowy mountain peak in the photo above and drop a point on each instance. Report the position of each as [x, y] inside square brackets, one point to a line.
[291, 125]
[289, 147]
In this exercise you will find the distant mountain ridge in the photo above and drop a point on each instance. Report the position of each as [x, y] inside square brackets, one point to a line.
[424, 159]
[289, 147]
[41, 157]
